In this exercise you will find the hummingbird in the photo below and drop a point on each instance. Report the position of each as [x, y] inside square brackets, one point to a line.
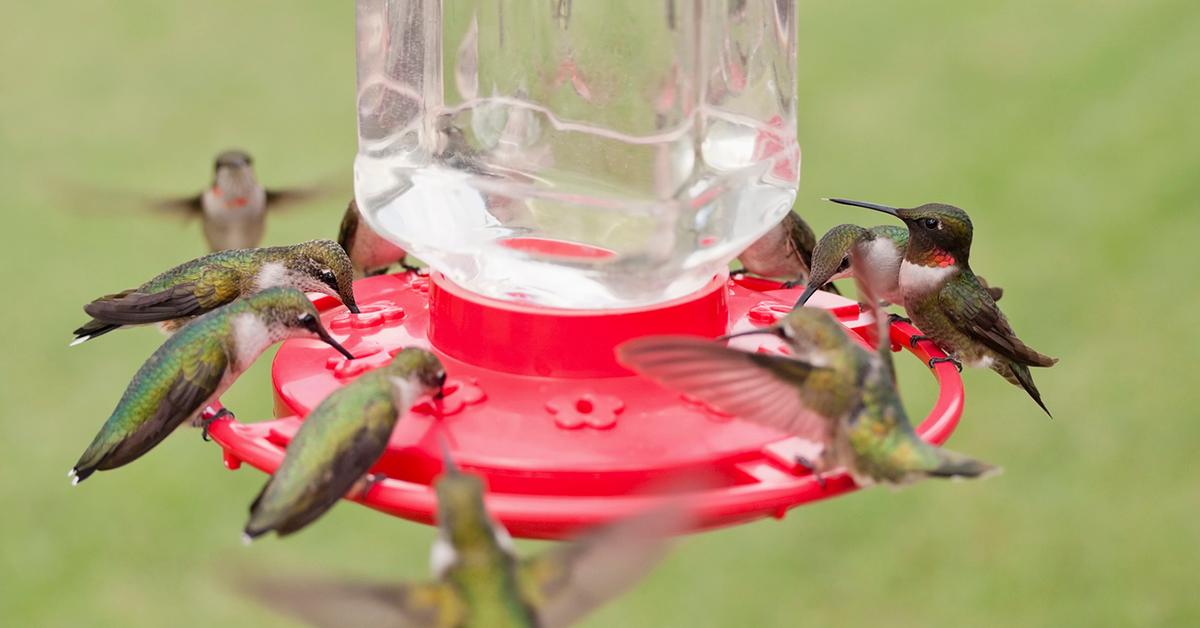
[478, 578]
[783, 252]
[832, 391]
[234, 207]
[339, 441]
[193, 368]
[201, 285]
[370, 252]
[949, 303]
[883, 247]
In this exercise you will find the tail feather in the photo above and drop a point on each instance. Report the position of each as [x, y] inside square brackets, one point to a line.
[951, 464]
[1019, 374]
[92, 329]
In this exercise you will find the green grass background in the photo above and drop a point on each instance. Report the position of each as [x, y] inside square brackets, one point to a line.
[1069, 129]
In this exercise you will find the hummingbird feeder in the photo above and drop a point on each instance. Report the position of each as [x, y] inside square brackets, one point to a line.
[569, 195]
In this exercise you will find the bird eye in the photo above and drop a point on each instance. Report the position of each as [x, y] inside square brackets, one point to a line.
[327, 276]
[304, 318]
[845, 264]
[930, 223]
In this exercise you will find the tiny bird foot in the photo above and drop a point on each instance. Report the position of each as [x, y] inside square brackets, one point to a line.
[788, 285]
[896, 318]
[915, 338]
[364, 485]
[935, 361]
[812, 468]
[223, 412]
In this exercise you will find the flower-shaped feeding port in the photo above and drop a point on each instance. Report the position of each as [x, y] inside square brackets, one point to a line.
[597, 411]
[367, 356]
[369, 317]
[457, 394]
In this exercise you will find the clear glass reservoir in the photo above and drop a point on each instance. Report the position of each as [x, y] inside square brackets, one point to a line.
[576, 154]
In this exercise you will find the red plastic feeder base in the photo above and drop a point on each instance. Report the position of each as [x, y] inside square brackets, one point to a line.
[536, 403]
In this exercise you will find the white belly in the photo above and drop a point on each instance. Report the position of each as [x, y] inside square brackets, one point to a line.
[918, 279]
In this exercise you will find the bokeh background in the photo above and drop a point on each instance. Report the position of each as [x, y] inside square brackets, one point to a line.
[1069, 129]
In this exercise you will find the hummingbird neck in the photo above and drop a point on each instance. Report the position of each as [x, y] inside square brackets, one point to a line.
[932, 256]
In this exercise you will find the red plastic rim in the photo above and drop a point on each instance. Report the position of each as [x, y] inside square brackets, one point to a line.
[536, 405]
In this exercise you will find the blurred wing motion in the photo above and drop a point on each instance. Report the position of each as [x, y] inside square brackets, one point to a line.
[569, 581]
[285, 197]
[764, 389]
[337, 604]
[185, 207]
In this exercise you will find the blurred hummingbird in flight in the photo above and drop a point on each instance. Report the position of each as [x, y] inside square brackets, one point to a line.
[174, 297]
[339, 441]
[882, 248]
[479, 581]
[370, 252]
[234, 207]
[949, 303]
[193, 368]
[784, 252]
[832, 392]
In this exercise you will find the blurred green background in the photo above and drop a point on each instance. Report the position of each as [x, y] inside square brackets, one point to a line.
[1069, 129]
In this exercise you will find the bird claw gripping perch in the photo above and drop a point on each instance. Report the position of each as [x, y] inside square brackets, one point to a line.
[935, 361]
[223, 412]
[896, 318]
[812, 468]
[915, 338]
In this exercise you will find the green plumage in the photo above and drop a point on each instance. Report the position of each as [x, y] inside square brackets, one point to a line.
[206, 283]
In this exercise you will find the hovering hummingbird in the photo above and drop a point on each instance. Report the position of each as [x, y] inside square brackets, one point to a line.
[339, 441]
[479, 579]
[206, 283]
[949, 303]
[234, 208]
[883, 248]
[370, 252]
[783, 252]
[191, 370]
[832, 392]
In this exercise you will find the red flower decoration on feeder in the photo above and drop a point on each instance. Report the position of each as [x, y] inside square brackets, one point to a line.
[369, 317]
[457, 394]
[367, 356]
[768, 313]
[597, 411]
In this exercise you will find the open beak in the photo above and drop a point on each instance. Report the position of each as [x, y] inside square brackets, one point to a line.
[773, 330]
[879, 208]
[319, 329]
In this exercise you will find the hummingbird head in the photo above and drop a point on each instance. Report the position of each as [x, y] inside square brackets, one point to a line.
[831, 257]
[287, 313]
[939, 234]
[813, 334]
[233, 170]
[323, 266]
[421, 367]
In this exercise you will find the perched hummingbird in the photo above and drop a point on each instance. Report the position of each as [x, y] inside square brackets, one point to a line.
[479, 579]
[234, 208]
[882, 248]
[949, 303]
[206, 283]
[370, 252]
[191, 370]
[832, 392]
[339, 441]
[783, 252]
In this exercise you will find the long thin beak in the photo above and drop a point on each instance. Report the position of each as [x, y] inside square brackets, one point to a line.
[448, 463]
[319, 330]
[879, 208]
[441, 391]
[772, 330]
[352, 306]
[808, 292]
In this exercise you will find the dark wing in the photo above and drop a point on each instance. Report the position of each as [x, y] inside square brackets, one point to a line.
[971, 309]
[338, 604]
[803, 239]
[575, 578]
[127, 435]
[213, 289]
[348, 227]
[764, 389]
